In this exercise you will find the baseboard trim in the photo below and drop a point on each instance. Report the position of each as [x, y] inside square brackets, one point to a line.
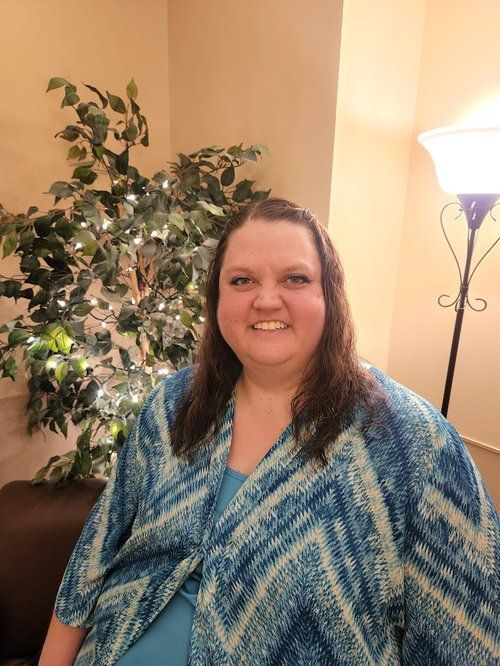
[481, 445]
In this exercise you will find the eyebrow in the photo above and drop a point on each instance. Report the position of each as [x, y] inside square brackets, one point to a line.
[244, 269]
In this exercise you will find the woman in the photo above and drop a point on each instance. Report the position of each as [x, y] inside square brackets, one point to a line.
[282, 502]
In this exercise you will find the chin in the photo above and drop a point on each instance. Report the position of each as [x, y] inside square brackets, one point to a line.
[270, 360]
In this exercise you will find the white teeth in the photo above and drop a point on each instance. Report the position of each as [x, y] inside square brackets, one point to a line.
[269, 325]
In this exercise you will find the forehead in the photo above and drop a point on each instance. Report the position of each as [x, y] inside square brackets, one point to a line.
[273, 242]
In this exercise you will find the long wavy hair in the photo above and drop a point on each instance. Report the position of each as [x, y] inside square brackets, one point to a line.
[334, 381]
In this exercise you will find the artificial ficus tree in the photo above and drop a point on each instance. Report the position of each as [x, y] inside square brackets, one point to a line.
[112, 278]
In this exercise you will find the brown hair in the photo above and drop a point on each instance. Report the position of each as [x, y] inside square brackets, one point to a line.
[332, 384]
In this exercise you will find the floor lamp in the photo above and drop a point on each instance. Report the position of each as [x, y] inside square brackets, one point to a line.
[467, 163]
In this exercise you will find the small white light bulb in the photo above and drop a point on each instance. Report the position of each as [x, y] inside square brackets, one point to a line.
[177, 317]
[132, 300]
[202, 319]
[161, 306]
[83, 224]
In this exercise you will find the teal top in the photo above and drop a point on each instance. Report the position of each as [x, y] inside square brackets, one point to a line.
[170, 632]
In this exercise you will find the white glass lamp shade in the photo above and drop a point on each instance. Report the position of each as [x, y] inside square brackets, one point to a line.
[467, 160]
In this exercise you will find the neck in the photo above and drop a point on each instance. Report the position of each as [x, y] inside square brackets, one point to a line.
[264, 392]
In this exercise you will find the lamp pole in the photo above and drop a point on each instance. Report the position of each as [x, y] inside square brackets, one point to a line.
[475, 207]
[467, 160]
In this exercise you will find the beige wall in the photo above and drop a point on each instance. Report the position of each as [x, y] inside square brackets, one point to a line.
[378, 75]
[259, 72]
[269, 73]
[459, 78]
[233, 72]
[407, 67]
[100, 43]
[460, 68]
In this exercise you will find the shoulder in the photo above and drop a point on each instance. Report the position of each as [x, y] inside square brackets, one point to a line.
[418, 452]
[165, 397]
[414, 429]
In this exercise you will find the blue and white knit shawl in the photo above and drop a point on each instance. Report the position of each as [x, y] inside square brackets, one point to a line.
[388, 555]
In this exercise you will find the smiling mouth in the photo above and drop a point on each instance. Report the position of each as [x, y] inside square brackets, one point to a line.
[270, 331]
[269, 326]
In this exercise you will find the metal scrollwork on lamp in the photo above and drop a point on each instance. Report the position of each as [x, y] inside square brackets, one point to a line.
[467, 162]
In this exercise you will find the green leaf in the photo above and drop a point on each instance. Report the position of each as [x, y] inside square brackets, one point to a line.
[9, 244]
[71, 133]
[115, 427]
[98, 151]
[70, 98]
[111, 296]
[116, 103]
[90, 213]
[122, 162]
[73, 153]
[177, 220]
[104, 101]
[186, 318]
[40, 475]
[227, 176]
[132, 90]
[79, 365]
[55, 475]
[56, 82]
[211, 208]
[18, 337]
[43, 226]
[61, 190]
[260, 148]
[243, 190]
[82, 309]
[10, 367]
[84, 174]
[61, 371]
[64, 342]
[131, 132]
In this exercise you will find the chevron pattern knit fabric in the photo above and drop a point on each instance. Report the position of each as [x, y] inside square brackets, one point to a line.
[388, 555]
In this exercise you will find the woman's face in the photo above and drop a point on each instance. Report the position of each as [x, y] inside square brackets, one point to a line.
[271, 272]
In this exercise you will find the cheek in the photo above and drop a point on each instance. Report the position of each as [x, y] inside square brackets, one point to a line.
[313, 308]
[231, 310]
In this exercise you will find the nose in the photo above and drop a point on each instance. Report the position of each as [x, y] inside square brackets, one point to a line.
[267, 297]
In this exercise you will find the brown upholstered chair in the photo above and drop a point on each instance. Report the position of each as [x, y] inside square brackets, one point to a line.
[38, 531]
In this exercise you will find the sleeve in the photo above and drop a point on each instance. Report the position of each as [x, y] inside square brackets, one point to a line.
[451, 563]
[101, 537]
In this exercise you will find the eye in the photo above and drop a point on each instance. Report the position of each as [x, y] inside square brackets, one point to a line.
[236, 281]
[298, 279]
